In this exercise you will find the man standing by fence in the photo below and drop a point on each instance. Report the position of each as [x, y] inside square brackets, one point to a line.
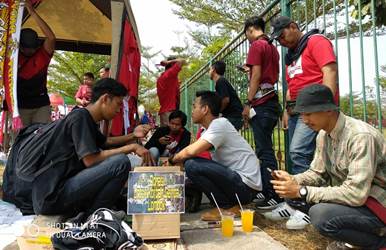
[310, 59]
[231, 107]
[263, 63]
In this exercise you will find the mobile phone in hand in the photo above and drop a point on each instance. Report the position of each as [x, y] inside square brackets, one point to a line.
[273, 174]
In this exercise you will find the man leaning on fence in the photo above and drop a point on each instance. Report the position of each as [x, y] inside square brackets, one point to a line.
[346, 183]
[263, 64]
[310, 59]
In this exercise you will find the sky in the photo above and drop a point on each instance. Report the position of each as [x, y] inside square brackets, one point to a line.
[160, 28]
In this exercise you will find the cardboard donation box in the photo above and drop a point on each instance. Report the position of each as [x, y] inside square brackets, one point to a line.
[156, 198]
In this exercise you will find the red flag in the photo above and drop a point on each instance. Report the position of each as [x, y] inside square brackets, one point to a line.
[128, 74]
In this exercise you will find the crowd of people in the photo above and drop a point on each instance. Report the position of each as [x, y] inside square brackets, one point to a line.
[337, 178]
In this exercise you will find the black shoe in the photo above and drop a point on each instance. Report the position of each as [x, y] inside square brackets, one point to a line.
[259, 197]
[269, 203]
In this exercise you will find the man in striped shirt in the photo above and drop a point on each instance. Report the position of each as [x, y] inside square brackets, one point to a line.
[346, 182]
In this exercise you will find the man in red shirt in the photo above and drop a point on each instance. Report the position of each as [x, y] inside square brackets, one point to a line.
[310, 59]
[168, 88]
[33, 100]
[263, 67]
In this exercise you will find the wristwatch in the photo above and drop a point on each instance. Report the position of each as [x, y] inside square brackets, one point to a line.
[303, 192]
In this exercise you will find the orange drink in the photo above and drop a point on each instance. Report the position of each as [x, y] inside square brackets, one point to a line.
[227, 225]
[247, 220]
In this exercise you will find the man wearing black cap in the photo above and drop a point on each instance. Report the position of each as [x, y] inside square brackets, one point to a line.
[347, 178]
[33, 100]
[263, 64]
[310, 59]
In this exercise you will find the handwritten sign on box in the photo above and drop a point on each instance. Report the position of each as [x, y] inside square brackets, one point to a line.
[156, 193]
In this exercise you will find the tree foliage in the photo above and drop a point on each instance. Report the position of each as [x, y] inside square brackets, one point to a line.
[67, 69]
[380, 10]
[229, 15]
[382, 78]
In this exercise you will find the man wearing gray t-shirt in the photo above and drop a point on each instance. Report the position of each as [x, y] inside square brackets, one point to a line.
[234, 167]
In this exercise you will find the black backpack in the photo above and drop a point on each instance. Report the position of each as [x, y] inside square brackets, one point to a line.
[16, 190]
[102, 230]
[26, 161]
[32, 157]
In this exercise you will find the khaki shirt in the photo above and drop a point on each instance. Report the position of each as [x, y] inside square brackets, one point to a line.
[349, 165]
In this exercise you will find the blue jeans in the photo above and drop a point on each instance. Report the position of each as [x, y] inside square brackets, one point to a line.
[154, 152]
[95, 187]
[302, 144]
[262, 125]
[212, 177]
[354, 225]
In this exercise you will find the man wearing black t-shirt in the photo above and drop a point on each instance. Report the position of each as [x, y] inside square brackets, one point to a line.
[91, 176]
[231, 107]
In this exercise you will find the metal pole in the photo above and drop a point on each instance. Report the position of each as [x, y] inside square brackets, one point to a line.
[377, 84]
[285, 11]
[362, 63]
[349, 58]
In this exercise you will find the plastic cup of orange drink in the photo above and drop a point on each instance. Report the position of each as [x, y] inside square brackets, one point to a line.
[247, 220]
[227, 224]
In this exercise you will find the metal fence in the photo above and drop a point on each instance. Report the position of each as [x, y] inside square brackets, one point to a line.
[356, 39]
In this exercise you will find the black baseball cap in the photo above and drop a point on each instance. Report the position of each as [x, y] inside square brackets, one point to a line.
[315, 98]
[279, 24]
[29, 38]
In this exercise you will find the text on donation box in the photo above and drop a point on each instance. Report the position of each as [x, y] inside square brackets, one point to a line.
[156, 193]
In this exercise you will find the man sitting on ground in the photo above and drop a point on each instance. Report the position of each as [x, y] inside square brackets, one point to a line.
[234, 169]
[169, 140]
[347, 177]
[89, 177]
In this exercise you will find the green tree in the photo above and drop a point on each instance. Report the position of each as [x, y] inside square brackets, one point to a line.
[67, 69]
[148, 94]
[380, 10]
[382, 79]
[148, 55]
[228, 15]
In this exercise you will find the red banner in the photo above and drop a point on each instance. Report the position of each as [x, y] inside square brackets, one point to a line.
[128, 74]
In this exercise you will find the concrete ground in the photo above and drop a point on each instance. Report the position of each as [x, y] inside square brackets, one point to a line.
[196, 234]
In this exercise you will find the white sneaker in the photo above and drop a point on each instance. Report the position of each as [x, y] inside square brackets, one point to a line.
[284, 211]
[298, 220]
